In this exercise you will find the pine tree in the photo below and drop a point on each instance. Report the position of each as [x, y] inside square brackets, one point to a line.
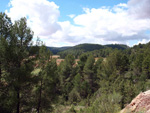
[45, 89]
[5, 30]
[89, 75]
[66, 71]
[17, 64]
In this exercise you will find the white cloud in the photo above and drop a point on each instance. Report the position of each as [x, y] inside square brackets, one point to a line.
[122, 5]
[41, 15]
[120, 24]
[72, 15]
[105, 25]
[139, 8]
[110, 25]
[143, 41]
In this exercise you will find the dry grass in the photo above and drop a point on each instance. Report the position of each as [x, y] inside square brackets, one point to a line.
[56, 56]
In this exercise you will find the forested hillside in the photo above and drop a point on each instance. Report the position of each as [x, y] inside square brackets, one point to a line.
[55, 50]
[117, 46]
[32, 82]
[83, 48]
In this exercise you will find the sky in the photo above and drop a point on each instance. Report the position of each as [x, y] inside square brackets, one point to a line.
[70, 22]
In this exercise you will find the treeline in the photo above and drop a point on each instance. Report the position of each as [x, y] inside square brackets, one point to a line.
[110, 83]
[96, 49]
[22, 90]
[31, 81]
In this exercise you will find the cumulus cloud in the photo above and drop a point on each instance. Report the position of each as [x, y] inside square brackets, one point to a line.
[119, 24]
[143, 41]
[42, 15]
[139, 8]
[122, 23]
[107, 25]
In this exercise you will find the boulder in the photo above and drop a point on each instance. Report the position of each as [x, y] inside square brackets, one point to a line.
[140, 104]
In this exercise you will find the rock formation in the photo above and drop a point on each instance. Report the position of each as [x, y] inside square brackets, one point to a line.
[140, 104]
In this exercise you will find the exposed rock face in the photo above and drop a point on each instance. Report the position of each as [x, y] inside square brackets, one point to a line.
[139, 104]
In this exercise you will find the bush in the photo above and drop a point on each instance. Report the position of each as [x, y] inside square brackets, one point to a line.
[72, 109]
[106, 103]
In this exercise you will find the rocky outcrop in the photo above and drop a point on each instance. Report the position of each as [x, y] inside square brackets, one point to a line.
[140, 104]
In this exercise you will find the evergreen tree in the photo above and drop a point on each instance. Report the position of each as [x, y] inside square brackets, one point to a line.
[5, 29]
[46, 86]
[89, 76]
[146, 67]
[82, 61]
[66, 72]
[17, 65]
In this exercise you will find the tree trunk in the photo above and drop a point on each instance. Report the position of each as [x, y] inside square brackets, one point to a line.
[39, 99]
[122, 100]
[0, 71]
[18, 101]
[18, 93]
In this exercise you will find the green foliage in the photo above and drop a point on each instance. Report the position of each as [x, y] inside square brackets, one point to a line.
[66, 73]
[56, 50]
[31, 81]
[15, 63]
[79, 49]
[82, 61]
[95, 49]
[89, 75]
[118, 46]
[72, 110]
[106, 103]
[45, 89]
[146, 66]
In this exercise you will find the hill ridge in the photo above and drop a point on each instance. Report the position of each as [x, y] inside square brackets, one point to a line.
[86, 47]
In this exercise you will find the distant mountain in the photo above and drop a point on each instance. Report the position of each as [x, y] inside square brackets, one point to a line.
[117, 46]
[85, 48]
[55, 50]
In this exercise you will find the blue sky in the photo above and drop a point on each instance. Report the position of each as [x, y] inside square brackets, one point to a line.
[75, 6]
[67, 23]
[67, 7]
[4, 5]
